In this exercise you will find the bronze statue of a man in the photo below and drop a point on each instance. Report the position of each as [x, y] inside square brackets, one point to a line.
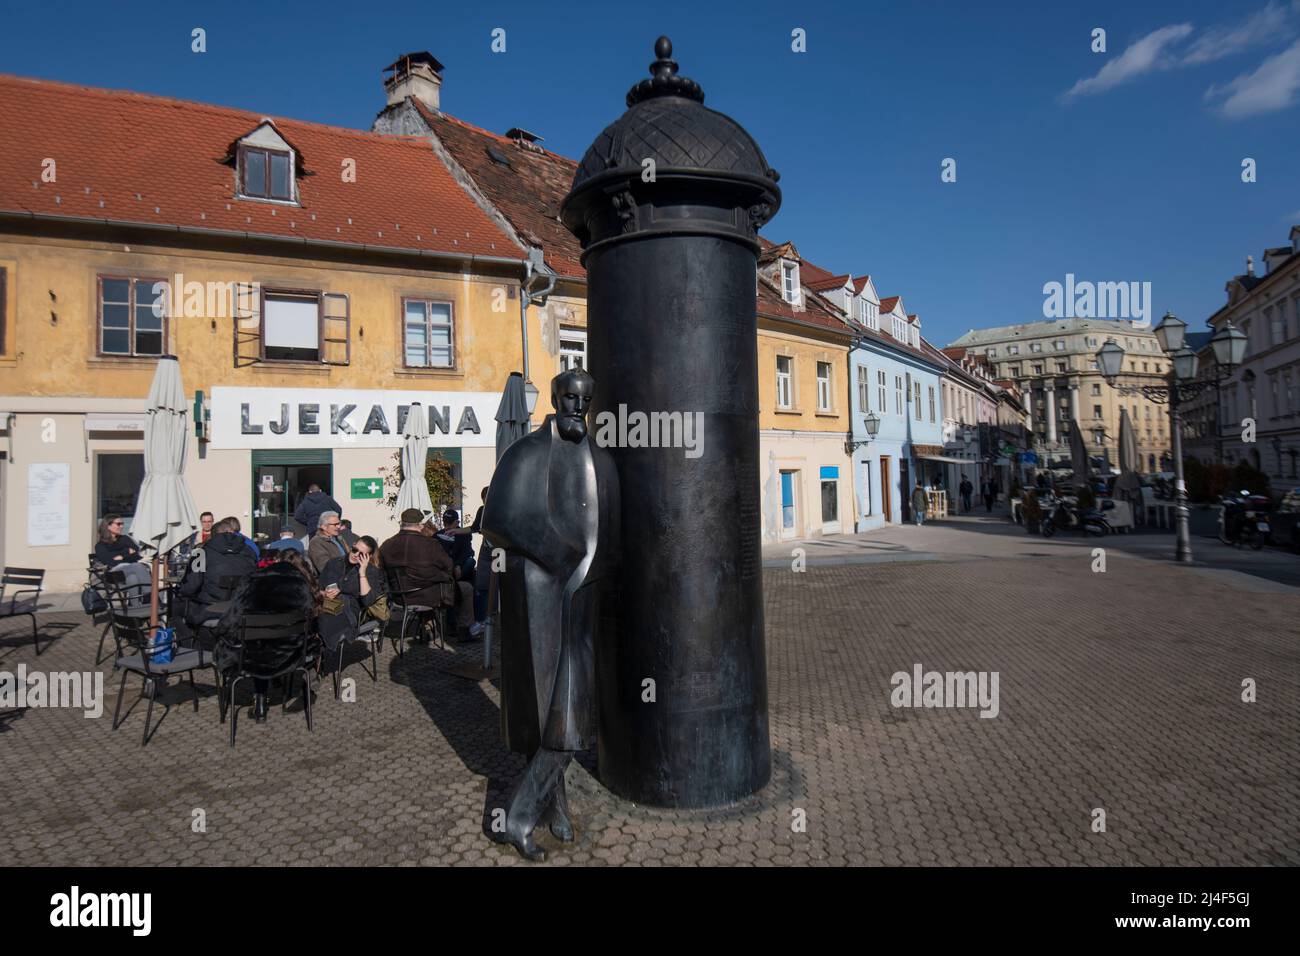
[553, 507]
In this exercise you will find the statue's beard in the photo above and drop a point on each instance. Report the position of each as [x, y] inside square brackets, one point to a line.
[571, 427]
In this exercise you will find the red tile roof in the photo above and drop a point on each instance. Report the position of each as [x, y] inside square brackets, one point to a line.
[131, 157]
[771, 305]
[822, 285]
[810, 273]
[528, 192]
[859, 282]
[887, 304]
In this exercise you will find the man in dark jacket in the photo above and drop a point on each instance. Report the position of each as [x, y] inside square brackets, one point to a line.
[313, 505]
[965, 488]
[424, 562]
[226, 555]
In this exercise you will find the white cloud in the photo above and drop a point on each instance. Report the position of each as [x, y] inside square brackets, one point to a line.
[1269, 25]
[1272, 86]
[1147, 54]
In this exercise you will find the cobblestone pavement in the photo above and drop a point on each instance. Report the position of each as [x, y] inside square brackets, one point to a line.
[1118, 690]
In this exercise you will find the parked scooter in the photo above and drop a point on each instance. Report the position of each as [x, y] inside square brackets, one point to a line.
[1244, 519]
[1065, 517]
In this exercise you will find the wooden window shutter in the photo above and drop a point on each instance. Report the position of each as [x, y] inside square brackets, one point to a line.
[336, 329]
[248, 324]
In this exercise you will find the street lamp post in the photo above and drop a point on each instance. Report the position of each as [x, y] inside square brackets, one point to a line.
[1229, 350]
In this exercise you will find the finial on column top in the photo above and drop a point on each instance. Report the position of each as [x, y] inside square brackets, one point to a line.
[664, 79]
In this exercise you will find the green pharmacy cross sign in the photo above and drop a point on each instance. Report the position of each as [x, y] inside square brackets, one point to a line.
[367, 488]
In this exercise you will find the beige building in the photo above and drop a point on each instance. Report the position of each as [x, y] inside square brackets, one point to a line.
[1054, 365]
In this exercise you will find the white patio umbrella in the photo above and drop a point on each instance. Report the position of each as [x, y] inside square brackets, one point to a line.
[414, 491]
[165, 515]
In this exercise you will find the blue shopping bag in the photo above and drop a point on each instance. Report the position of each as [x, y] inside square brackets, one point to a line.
[163, 646]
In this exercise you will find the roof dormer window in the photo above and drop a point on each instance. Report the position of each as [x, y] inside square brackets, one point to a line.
[266, 165]
[790, 282]
[265, 173]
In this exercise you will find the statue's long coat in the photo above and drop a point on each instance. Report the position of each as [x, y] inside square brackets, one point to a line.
[553, 507]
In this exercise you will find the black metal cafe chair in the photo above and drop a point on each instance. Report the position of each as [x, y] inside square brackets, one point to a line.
[134, 633]
[263, 640]
[14, 584]
[368, 632]
[400, 590]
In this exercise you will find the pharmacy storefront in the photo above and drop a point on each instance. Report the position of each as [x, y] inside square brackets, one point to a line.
[66, 462]
[284, 440]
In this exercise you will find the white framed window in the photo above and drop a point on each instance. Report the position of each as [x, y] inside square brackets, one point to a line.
[1038, 370]
[1096, 411]
[1015, 371]
[916, 400]
[1096, 388]
[1059, 345]
[823, 386]
[428, 334]
[1036, 347]
[573, 349]
[931, 403]
[1092, 365]
[1092, 342]
[881, 386]
[790, 281]
[898, 394]
[990, 351]
[864, 388]
[783, 384]
[1013, 349]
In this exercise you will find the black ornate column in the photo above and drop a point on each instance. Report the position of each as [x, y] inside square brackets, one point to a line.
[670, 249]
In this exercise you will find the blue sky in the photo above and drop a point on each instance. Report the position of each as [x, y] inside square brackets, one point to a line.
[1122, 166]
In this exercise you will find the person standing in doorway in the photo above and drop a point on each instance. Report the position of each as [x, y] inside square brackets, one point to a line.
[965, 488]
[918, 503]
[314, 504]
[987, 490]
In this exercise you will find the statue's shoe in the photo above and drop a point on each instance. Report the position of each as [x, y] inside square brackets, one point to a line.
[523, 843]
[561, 827]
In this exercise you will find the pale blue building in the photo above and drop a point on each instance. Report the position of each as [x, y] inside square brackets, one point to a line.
[896, 379]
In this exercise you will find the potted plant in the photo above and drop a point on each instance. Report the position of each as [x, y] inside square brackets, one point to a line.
[439, 476]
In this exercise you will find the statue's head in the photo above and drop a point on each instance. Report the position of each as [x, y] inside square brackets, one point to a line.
[571, 393]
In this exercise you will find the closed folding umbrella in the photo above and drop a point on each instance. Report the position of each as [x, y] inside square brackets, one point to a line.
[165, 515]
[1078, 454]
[1130, 460]
[512, 414]
[414, 490]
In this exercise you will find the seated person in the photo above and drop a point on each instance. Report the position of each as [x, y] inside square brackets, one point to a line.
[358, 582]
[328, 542]
[282, 587]
[115, 548]
[225, 555]
[460, 548]
[424, 562]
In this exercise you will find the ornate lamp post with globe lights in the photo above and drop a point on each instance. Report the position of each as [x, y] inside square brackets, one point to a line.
[1229, 345]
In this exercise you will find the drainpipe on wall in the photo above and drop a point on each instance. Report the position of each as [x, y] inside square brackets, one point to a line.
[856, 343]
[535, 272]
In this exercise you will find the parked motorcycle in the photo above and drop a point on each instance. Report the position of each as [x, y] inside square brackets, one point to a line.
[1244, 520]
[1065, 516]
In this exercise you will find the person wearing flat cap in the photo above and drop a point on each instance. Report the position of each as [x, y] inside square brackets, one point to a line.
[424, 562]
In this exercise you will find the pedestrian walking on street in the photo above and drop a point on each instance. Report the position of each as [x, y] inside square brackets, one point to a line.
[918, 503]
[988, 490]
[965, 488]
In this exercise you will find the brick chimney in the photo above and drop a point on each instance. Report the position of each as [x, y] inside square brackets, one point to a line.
[416, 75]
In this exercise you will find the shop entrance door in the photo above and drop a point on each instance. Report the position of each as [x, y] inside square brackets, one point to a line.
[280, 481]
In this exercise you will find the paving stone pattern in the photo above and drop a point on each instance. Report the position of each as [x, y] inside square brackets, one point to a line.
[1119, 691]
